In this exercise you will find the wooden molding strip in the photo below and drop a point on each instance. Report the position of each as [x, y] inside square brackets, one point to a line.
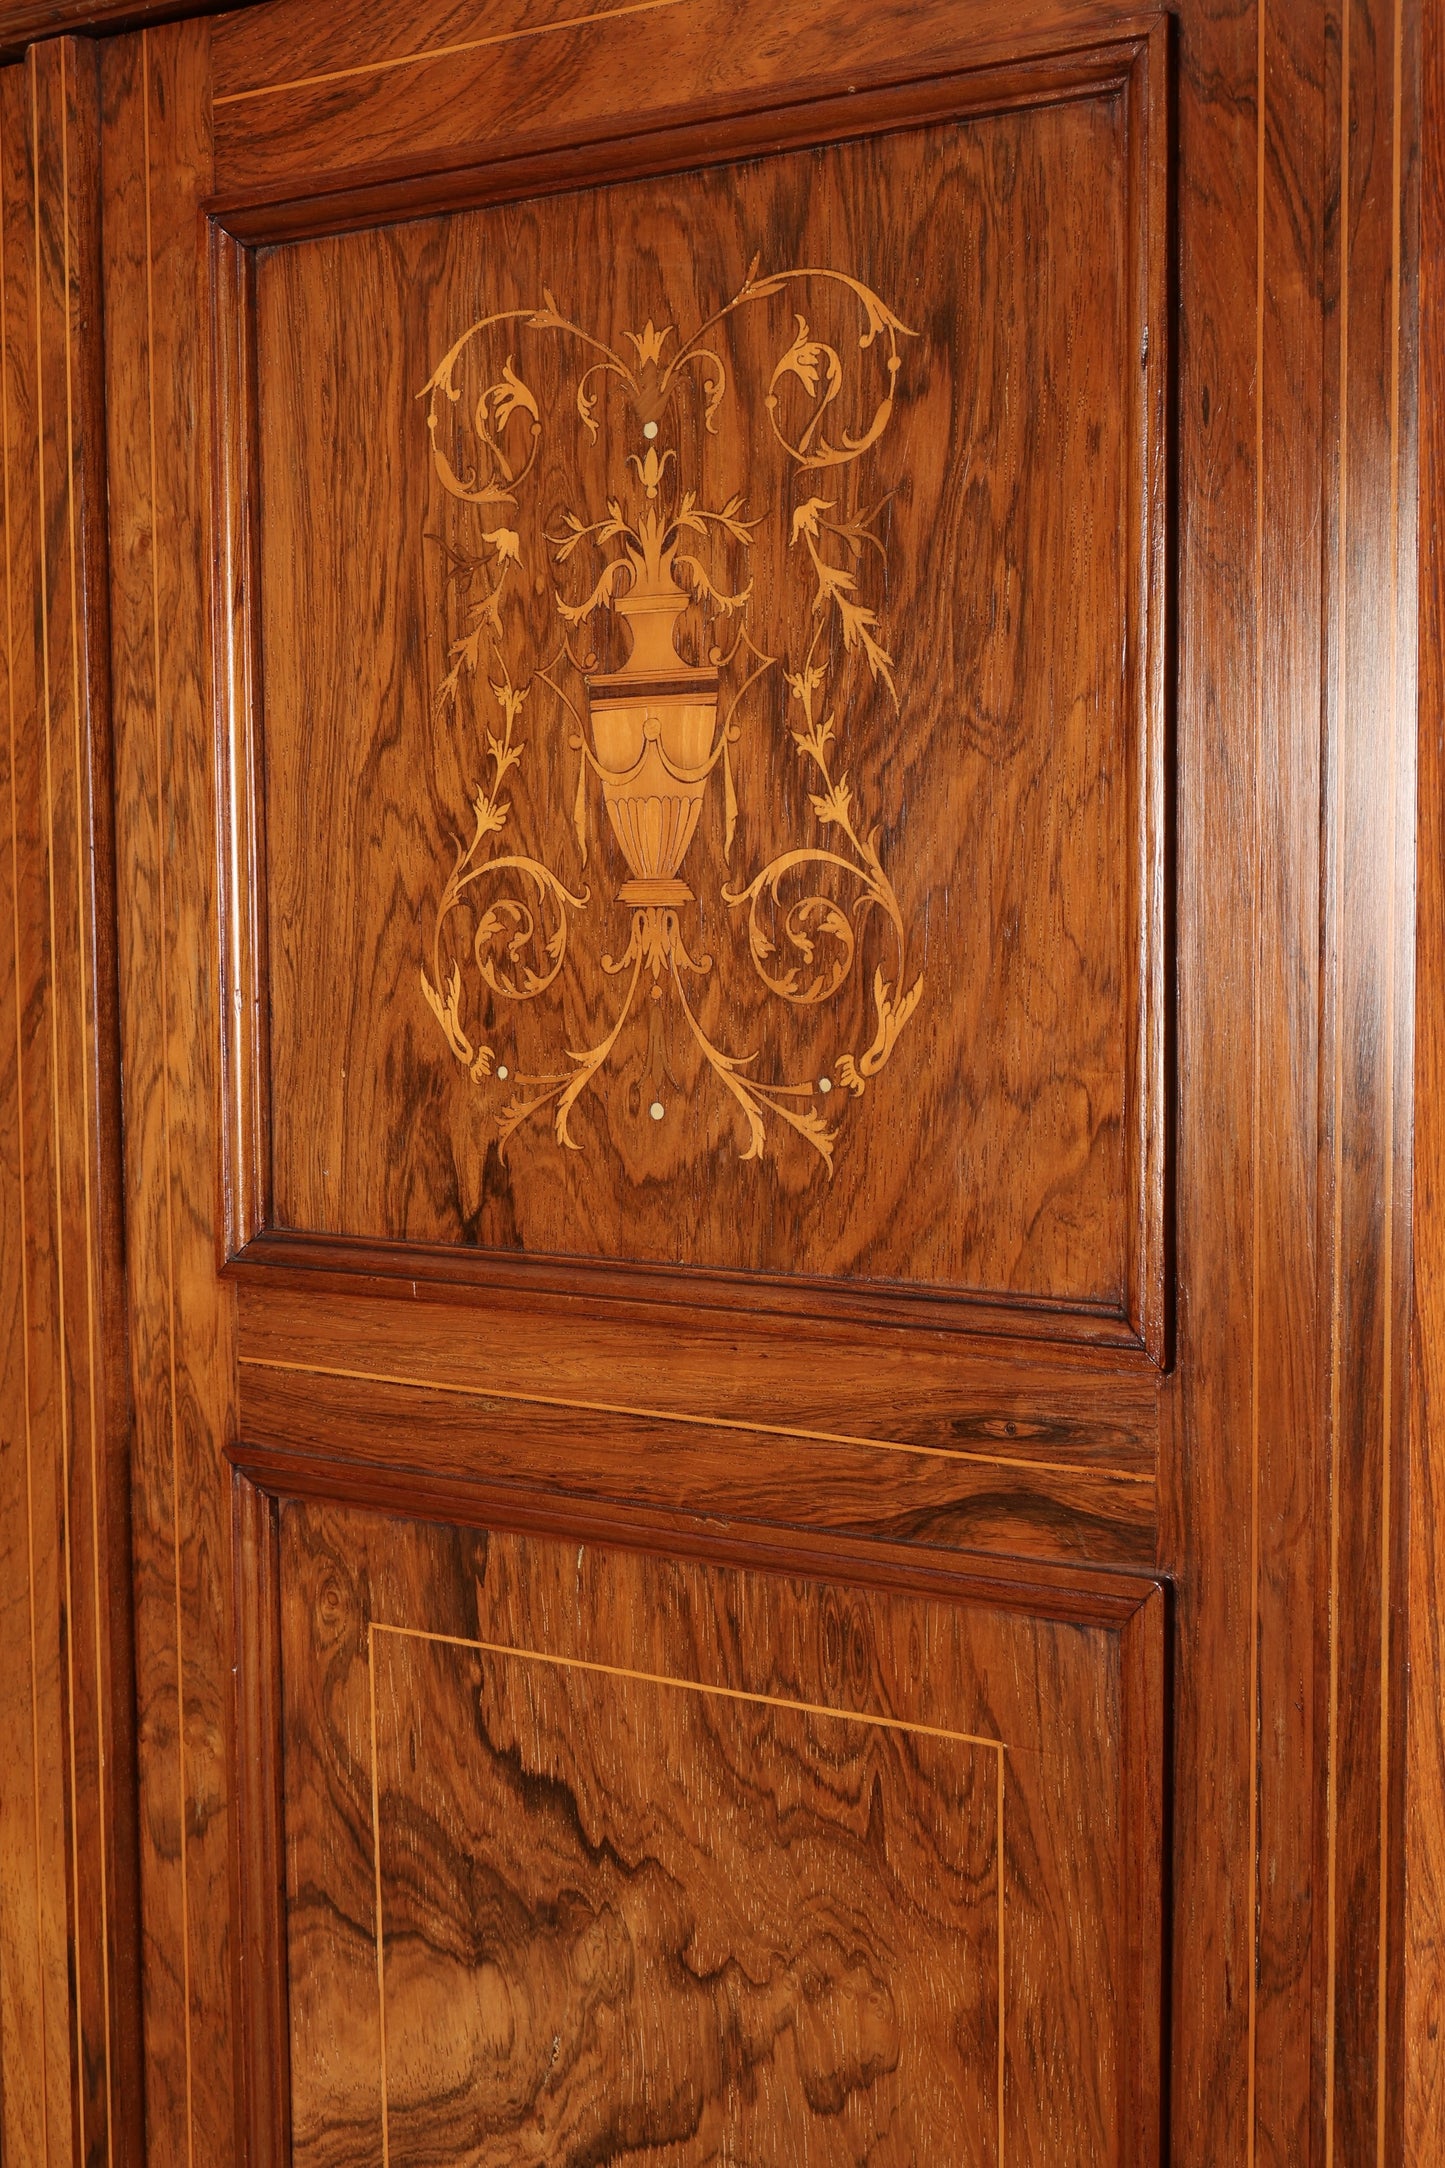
[1080, 1595]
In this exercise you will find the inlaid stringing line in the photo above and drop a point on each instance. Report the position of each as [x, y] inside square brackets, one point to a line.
[446, 52]
[165, 1066]
[694, 1686]
[40, 1966]
[376, 1866]
[87, 1047]
[62, 1337]
[697, 1422]
[1337, 1169]
[1256, 1088]
[1388, 1261]
[1002, 2029]
[689, 1686]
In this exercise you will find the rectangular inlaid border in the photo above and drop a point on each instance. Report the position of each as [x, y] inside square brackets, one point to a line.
[1133, 64]
[1131, 1608]
[870, 1718]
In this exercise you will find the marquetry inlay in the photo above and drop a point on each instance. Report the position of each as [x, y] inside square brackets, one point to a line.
[655, 735]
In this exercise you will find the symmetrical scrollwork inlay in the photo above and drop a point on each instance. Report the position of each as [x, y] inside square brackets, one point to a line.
[654, 733]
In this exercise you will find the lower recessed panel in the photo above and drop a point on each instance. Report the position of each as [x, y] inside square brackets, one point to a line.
[594, 1858]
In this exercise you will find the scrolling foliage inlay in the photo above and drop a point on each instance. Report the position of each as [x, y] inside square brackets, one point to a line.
[653, 734]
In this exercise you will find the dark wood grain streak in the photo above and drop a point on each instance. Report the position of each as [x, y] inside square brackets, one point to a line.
[69, 2017]
[1088, 1595]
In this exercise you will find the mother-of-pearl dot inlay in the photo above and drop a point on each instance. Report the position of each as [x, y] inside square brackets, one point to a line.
[649, 430]
[657, 1110]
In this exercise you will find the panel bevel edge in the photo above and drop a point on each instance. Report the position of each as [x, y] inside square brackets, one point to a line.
[1151, 236]
[713, 131]
[1147, 1752]
[1134, 62]
[261, 1959]
[1105, 1597]
[235, 584]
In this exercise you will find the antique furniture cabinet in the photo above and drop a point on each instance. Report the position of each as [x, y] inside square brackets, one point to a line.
[722, 883]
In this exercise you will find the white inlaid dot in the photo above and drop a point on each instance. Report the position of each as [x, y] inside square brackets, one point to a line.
[502, 1071]
[657, 1110]
[825, 1083]
[649, 430]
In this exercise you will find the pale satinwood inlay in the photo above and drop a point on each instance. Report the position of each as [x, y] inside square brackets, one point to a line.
[700, 1422]
[447, 52]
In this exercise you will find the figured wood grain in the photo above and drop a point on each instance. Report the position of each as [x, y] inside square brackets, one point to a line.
[988, 1400]
[403, 126]
[1287, 1493]
[1423, 2105]
[737, 1475]
[157, 162]
[1274, 2000]
[26, 22]
[1014, 749]
[69, 2021]
[517, 2015]
[1369, 884]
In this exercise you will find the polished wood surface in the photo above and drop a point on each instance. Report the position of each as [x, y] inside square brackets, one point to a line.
[1043, 1454]
[718, 1428]
[180, 1322]
[668, 1860]
[990, 1152]
[70, 2047]
[26, 22]
[1423, 2103]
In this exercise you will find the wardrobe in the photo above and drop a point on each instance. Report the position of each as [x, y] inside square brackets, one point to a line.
[722, 896]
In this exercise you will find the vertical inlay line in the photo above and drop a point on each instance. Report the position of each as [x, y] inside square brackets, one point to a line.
[1256, 1093]
[1388, 1289]
[62, 1336]
[376, 1869]
[86, 1043]
[163, 976]
[1337, 1111]
[40, 1966]
[1002, 1989]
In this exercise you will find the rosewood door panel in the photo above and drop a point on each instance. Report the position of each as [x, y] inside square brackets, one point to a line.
[590, 1855]
[714, 993]
[650, 1143]
[884, 1006]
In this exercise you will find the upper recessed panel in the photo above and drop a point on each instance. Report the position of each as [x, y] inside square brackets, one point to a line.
[704, 717]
